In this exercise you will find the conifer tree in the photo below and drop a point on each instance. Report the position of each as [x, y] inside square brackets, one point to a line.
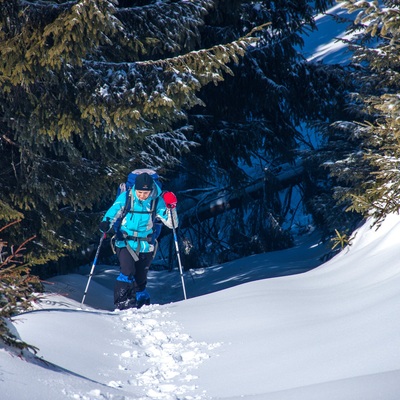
[90, 89]
[272, 89]
[374, 163]
[256, 117]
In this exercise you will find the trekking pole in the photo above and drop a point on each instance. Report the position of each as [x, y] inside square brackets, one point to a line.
[178, 255]
[93, 265]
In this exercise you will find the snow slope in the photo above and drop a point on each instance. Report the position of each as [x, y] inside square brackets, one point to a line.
[330, 333]
[247, 331]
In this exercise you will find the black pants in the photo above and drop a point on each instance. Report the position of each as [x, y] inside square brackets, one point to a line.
[136, 273]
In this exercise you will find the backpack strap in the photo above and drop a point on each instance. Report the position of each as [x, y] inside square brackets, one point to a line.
[151, 211]
[128, 209]
[127, 201]
[117, 233]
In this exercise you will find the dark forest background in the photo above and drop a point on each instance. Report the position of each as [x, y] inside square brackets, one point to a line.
[215, 95]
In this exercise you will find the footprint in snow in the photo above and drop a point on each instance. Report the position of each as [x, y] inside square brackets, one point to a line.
[159, 356]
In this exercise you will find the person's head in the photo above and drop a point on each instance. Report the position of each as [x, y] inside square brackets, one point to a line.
[143, 186]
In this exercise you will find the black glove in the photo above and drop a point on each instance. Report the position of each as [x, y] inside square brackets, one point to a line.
[104, 226]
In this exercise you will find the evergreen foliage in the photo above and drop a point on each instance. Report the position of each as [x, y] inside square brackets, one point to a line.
[256, 118]
[372, 167]
[335, 166]
[90, 89]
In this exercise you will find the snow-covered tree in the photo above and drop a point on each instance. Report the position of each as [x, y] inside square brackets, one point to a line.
[90, 89]
[273, 88]
[374, 165]
[256, 118]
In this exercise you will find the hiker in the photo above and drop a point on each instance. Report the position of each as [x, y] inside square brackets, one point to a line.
[135, 247]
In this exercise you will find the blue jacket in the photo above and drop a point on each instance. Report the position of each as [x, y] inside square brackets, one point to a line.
[139, 223]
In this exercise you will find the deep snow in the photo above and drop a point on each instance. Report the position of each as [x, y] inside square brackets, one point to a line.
[330, 333]
[247, 331]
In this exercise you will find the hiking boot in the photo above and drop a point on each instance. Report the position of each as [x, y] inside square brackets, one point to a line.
[125, 305]
[124, 295]
[142, 298]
